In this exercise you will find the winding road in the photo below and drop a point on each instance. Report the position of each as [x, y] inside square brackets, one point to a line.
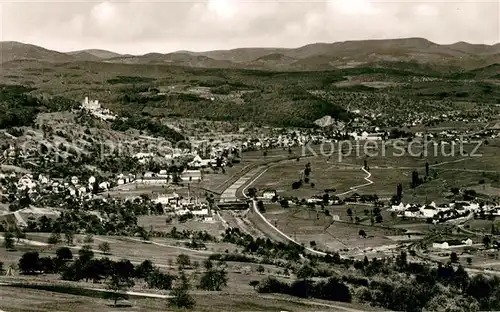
[354, 188]
[271, 229]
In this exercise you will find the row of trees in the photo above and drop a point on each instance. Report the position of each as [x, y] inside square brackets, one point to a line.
[398, 285]
[122, 275]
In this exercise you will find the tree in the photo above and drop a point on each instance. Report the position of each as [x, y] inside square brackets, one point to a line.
[427, 169]
[379, 219]
[180, 293]
[445, 303]
[260, 206]
[119, 281]
[144, 269]
[64, 253]
[213, 280]
[415, 181]
[85, 254]
[159, 280]
[305, 272]
[487, 241]
[183, 261]
[469, 260]
[349, 212]
[47, 265]
[402, 260]
[69, 236]
[19, 234]
[89, 239]
[260, 269]
[207, 264]
[54, 239]
[362, 233]
[104, 247]
[284, 203]
[454, 257]
[252, 192]
[254, 284]
[8, 240]
[29, 263]
[296, 185]
[399, 192]
[326, 198]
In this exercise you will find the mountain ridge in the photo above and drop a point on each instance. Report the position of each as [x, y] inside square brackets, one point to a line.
[314, 56]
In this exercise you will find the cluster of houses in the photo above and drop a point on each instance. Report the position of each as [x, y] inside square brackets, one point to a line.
[452, 244]
[29, 184]
[163, 177]
[452, 212]
[280, 138]
[179, 206]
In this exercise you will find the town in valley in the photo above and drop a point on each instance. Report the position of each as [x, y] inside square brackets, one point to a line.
[358, 175]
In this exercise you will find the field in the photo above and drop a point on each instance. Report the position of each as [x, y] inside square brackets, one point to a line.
[387, 169]
[32, 300]
[307, 225]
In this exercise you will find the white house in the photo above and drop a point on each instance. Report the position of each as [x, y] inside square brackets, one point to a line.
[104, 185]
[198, 162]
[82, 190]
[467, 242]
[123, 179]
[440, 245]
[269, 194]
[200, 213]
[428, 211]
[43, 179]
[26, 182]
[166, 198]
[400, 207]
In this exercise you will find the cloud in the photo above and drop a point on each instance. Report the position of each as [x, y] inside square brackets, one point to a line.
[139, 26]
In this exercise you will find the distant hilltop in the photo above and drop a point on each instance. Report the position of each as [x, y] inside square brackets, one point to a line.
[316, 56]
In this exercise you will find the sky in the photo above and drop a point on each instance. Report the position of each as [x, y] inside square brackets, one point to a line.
[138, 26]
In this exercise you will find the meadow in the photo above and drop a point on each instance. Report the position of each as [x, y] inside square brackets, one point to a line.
[387, 168]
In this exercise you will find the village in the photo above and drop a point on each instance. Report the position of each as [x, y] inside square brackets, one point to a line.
[223, 191]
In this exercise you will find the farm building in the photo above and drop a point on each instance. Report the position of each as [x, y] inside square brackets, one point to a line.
[269, 194]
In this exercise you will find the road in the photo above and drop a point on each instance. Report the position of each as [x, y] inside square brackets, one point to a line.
[354, 188]
[243, 183]
[274, 230]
